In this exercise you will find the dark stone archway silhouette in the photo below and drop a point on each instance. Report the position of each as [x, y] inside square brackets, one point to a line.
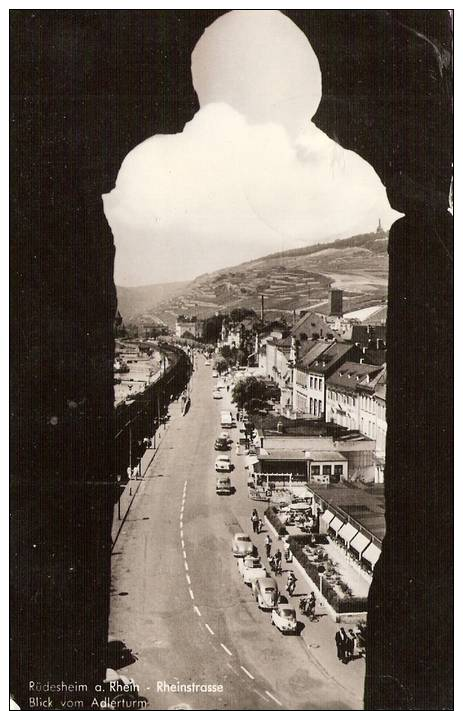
[87, 86]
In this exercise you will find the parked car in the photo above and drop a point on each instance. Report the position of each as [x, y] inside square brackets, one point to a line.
[223, 463]
[284, 619]
[251, 568]
[226, 436]
[217, 395]
[221, 445]
[266, 593]
[223, 484]
[207, 363]
[215, 374]
[242, 545]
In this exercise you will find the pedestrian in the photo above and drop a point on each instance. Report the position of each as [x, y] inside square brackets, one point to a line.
[338, 638]
[291, 584]
[353, 647]
[268, 545]
[311, 604]
[346, 646]
[129, 472]
[288, 552]
[254, 520]
[260, 525]
[278, 557]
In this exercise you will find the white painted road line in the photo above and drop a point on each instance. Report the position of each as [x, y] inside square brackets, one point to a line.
[191, 593]
[183, 546]
[181, 524]
[248, 673]
[197, 610]
[185, 564]
[226, 649]
[271, 696]
[188, 579]
[209, 629]
[261, 695]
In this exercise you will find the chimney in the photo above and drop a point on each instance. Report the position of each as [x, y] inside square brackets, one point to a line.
[336, 302]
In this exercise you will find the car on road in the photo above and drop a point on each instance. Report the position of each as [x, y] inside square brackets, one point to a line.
[266, 593]
[221, 444]
[207, 363]
[215, 374]
[242, 545]
[223, 484]
[284, 618]
[225, 435]
[251, 568]
[217, 395]
[223, 463]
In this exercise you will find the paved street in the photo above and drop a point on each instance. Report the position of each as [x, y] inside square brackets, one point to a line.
[178, 600]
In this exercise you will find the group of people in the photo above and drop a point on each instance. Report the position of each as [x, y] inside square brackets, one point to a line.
[346, 645]
[257, 523]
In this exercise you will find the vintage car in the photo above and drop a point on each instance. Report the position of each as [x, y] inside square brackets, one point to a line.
[223, 463]
[284, 619]
[221, 444]
[251, 568]
[265, 592]
[217, 395]
[242, 545]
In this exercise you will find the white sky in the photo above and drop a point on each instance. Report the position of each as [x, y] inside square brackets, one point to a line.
[250, 174]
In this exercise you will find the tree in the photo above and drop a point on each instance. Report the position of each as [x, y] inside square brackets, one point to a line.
[225, 352]
[241, 357]
[254, 393]
[221, 365]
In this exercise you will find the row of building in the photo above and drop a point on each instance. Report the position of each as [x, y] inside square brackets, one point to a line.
[331, 370]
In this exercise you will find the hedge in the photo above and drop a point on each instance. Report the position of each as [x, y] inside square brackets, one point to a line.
[272, 515]
[353, 604]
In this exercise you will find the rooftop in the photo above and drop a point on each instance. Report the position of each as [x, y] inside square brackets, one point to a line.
[352, 375]
[267, 426]
[364, 506]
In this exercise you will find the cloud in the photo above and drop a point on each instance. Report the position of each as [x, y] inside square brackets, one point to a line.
[225, 190]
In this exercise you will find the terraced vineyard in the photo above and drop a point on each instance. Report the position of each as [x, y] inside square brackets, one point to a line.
[290, 281]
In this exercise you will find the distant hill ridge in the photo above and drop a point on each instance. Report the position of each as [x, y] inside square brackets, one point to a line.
[290, 280]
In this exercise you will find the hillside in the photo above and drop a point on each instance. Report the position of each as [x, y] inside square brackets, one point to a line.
[135, 300]
[290, 281]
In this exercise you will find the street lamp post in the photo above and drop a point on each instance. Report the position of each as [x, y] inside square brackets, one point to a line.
[118, 497]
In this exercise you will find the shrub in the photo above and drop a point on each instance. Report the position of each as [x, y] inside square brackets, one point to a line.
[272, 516]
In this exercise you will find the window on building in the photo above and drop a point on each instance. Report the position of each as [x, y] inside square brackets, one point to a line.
[338, 469]
[320, 383]
[315, 469]
[311, 405]
[327, 469]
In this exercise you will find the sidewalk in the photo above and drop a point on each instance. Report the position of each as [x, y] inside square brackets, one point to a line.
[318, 636]
[122, 507]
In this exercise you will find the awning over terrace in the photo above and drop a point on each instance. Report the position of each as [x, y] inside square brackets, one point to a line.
[371, 554]
[336, 524]
[359, 543]
[327, 516]
[347, 532]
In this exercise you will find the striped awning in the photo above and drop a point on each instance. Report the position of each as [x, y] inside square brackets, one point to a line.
[347, 532]
[359, 543]
[371, 554]
[327, 516]
[336, 524]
